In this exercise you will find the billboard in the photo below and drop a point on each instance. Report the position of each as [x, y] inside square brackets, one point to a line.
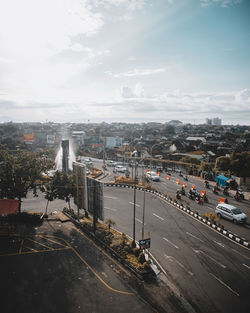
[95, 198]
[51, 139]
[89, 192]
[79, 177]
[29, 138]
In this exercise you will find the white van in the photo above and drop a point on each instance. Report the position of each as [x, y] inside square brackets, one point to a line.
[230, 212]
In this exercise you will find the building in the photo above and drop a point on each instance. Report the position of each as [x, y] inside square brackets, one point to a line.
[216, 121]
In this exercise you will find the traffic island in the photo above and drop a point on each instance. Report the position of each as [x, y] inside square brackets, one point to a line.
[117, 244]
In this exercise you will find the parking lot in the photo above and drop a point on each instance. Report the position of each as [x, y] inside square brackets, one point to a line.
[58, 269]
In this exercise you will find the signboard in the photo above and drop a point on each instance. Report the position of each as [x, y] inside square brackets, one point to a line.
[145, 243]
[29, 138]
[89, 197]
[51, 139]
[95, 198]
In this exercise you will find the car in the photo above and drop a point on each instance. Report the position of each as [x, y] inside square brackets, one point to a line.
[110, 163]
[153, 176]
[120, 169]
[230, 212]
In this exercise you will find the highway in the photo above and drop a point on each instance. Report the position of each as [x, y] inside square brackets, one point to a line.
[212, 271]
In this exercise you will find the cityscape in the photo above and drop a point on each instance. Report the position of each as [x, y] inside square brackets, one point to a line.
[125, 156]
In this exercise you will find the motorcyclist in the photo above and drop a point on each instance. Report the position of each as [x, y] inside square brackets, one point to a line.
[182, 190]
[225, 191]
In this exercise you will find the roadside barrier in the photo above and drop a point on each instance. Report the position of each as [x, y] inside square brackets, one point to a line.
[194, 214]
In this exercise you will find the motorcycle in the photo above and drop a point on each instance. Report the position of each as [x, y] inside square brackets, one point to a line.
[225, 192]
[237, 197]
[204, 198]
[206, 183]
[241, 194]
[191, 195]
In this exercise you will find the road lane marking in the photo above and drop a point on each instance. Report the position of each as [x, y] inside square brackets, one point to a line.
[199, 251]
[41, 244]
[171, 258]
[240, 254]
[114, 210]
[54, 241]
[200, 221]
[161, 218]
[137, 219]
[224, 284]
[114, 198]
[219, 243]
[104, 274]
[21, 246]
[135, 204]
[194, 236]
[176, 247]
[30, 248]
[95, 273]
[246, 265]
[32, 251]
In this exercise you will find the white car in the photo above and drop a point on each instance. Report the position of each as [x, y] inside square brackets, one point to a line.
[120, 169]
[230, 212]
[153, 176]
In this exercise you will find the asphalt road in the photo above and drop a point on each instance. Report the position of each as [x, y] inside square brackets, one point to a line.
[212, 271]
[57, 269]
[170, 187]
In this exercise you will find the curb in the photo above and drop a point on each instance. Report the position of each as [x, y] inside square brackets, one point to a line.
[196, 215]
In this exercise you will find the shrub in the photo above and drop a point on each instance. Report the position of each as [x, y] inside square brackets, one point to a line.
[141, 258]
[136, 252]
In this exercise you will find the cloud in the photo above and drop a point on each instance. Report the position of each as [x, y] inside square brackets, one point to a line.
[139, 72]
[128, 4]
[222, 3]
[136, 92]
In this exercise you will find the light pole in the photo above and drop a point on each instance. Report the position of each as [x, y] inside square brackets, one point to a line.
[134, 204]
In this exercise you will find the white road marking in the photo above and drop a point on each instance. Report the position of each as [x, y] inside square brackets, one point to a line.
[240, 254]
[161, 218]
[246, 266]
[135, 204]
[114, 198]
[211, 208]
[171, 258]
[114, 210]
[220, 244]
[228, 287]
[164, 183]
[137, 219]
[199, 251]
[170, 243]
[194, 236]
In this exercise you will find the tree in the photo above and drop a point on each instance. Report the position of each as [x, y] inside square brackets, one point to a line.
[206, 166]
[238, 164]
[19, 172]
[191, 160]
[62, 187]
[223, 163]
[109, 222]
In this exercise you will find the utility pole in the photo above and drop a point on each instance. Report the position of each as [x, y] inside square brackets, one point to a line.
[143, 213]
[134, 204]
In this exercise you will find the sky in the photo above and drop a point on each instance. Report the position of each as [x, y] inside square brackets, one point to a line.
[125, 61]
